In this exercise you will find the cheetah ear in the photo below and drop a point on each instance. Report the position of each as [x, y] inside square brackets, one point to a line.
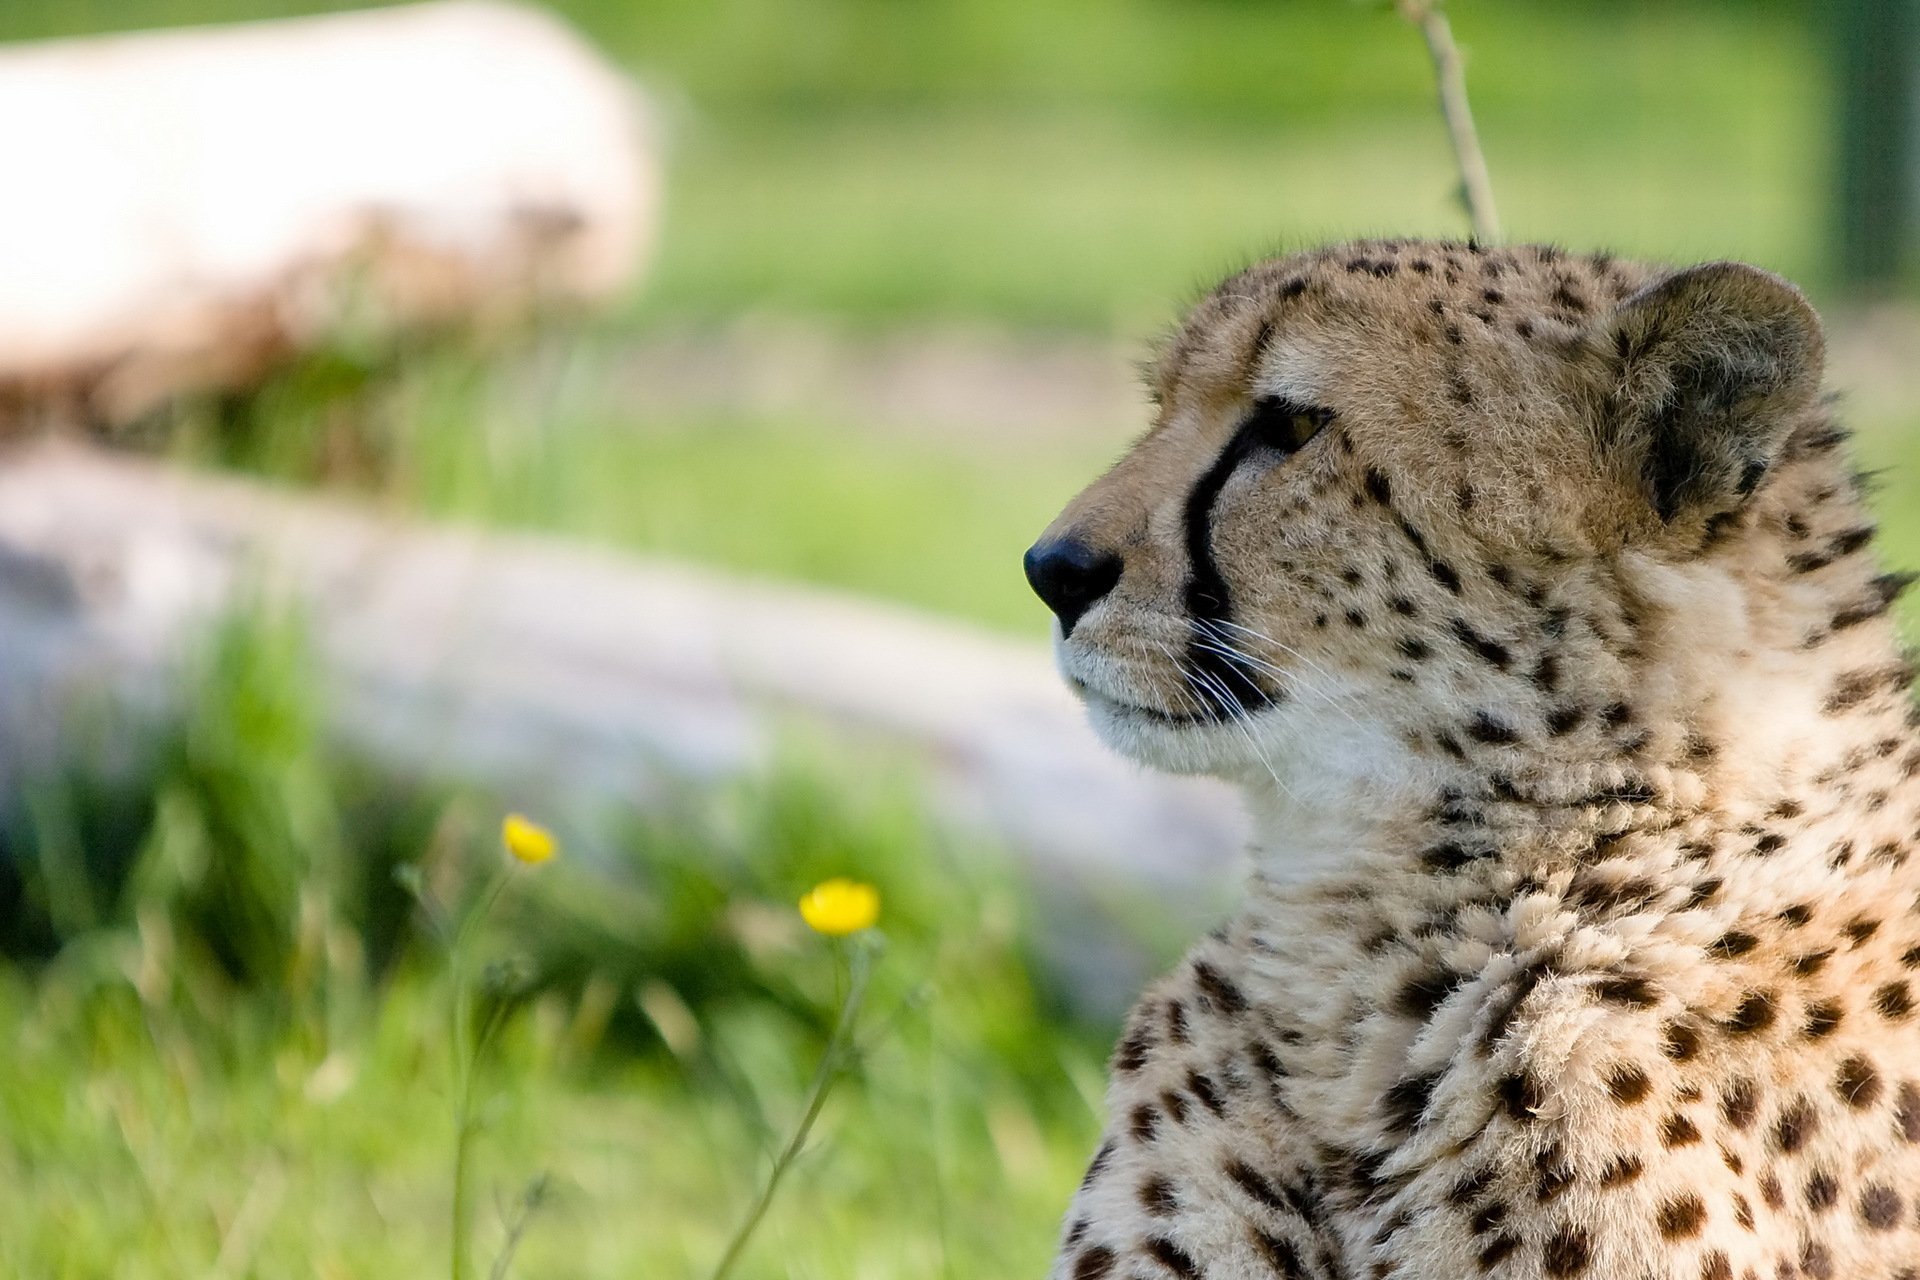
[1710, 365]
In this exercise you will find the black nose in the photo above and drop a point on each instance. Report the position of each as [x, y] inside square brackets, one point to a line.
[1070, 577]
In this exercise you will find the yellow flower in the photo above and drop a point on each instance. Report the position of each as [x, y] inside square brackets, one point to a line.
[527, 841]
[840, 906]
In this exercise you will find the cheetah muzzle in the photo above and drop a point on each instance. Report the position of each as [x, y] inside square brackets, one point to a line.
[1531, 601]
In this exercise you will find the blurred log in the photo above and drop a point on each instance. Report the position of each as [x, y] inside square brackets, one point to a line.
[184, 210]
[563, 674]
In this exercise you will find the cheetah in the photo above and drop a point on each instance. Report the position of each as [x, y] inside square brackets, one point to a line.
[1531, 601]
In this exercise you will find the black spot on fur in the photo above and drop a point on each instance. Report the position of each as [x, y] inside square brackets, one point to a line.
[1451, 856]
[1255, 1184]
[1094, 1264]
[1740, 1102]
[1881, 1207]
[1520, 1094]
[1204, 1089]
[1621, 1170]
[1680, 1041]
[1795, 1126]
[1498, 1250]
[1424, 992]
[1857, 1082]
[1157, 1197]
[1628, 1084]
[1489, 651]
[1566, 1253]
[1678, 1131]
[1406, 1100]
[1281, 1256]
[1468, 1188]
[1822, 1020]
[1681, 1217]
[1882, 592]
[1484, 728]
[1628, 791]
[1811, 963]
[1132, 1051]
[1564, 720]
[1218, 989]
[1860, 929]
[1733, 943]
[1634, 992]
[1173, 1258]
[1754, 1014]
[1097, 1166]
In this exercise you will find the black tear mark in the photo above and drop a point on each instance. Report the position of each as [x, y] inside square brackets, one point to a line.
[1224, 686]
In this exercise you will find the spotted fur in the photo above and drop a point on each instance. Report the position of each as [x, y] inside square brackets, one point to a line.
[1583, 938]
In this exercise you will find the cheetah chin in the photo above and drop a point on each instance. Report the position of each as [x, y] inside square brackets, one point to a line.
[1531, 601]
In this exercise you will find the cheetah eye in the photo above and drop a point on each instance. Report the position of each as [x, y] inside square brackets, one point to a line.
[1285, 425]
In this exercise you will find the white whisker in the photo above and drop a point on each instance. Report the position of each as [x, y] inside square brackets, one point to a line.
[1253, 745]
[1330, 698]
[1264, 638]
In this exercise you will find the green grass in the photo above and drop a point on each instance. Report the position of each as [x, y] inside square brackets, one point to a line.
[235, 1061]
[132, 1150]
[1110, 224]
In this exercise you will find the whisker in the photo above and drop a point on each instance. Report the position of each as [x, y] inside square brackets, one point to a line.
[1239, 723]
[1188, 677]
[1241, 657]
[1264, 638]
[1331, 700]
[1193, 703]
[1330, 697]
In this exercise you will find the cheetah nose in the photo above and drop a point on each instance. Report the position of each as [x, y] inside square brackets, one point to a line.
[1070, 577]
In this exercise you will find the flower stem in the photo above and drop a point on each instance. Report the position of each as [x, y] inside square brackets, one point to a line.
[823, 1079]
[466, 1066]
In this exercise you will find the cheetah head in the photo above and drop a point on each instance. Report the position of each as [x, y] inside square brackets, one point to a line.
[1384, 491]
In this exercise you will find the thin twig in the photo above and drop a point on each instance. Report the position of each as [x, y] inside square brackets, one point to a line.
[1476, 188]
